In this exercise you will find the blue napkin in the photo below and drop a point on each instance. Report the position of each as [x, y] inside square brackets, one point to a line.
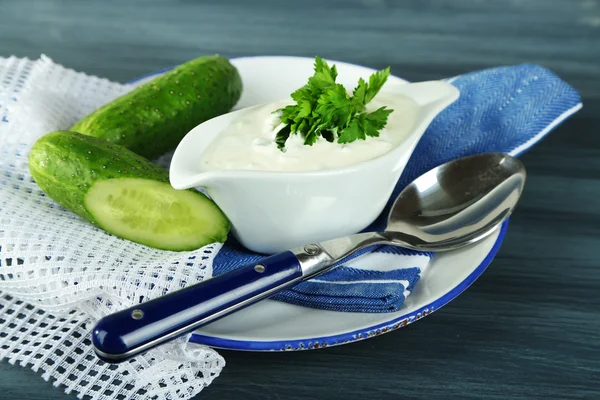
[504, 109]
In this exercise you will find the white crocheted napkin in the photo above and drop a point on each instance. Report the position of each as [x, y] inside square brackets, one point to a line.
[54, 267]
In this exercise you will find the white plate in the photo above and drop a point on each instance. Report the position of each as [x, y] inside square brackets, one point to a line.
[272, 325]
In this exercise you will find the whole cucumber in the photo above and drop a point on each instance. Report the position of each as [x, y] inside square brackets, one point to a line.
[124, 193]
[152, 119]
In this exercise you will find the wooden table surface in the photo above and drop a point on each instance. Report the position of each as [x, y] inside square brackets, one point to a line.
[529, 328]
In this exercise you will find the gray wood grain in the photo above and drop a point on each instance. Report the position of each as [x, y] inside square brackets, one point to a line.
[528, 328]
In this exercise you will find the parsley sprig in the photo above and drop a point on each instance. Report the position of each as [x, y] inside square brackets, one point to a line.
[324, 108]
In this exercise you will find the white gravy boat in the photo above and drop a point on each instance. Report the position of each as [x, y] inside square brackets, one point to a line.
[275, 211]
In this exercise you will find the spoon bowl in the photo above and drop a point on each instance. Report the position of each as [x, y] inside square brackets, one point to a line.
[451, 206]
[457, 203]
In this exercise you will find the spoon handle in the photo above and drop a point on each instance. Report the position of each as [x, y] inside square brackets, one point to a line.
[124, 334]
[127, 333]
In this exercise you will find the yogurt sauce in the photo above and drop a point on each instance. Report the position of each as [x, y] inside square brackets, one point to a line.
[248, 143]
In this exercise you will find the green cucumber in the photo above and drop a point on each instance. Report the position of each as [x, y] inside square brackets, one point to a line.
[124, 193]
[152, 119]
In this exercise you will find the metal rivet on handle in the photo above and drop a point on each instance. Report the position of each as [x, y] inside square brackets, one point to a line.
[259, 268]
[137, 314]
[311, 249]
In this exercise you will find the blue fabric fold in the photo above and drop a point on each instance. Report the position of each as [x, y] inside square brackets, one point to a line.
[505, 109]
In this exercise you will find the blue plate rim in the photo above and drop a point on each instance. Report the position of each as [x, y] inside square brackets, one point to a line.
[347, 337]
[360, 334]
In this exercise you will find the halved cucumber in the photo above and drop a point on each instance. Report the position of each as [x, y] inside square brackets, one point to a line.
[124, 193]
[154, 213]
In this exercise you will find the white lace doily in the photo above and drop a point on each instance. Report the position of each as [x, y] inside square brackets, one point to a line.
[55, 267]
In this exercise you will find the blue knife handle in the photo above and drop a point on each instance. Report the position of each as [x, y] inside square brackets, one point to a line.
[124, 334]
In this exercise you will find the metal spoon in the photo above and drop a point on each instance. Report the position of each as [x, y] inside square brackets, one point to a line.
[451, 206]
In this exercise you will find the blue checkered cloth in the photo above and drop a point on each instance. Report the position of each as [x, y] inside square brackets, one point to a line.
[505, 109]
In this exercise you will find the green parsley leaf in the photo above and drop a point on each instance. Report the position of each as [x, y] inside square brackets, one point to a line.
[311, 137]
[376, 82]
[379, 117]
[305, 109]
[288, 113]
[335, 107]
[360, 92]
[370, 129]
[324, 108]
[282, 136]
[323, 72]
[353, 132]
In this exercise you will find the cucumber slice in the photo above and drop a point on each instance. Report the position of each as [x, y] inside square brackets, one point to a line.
[153, 213]
[124, 193]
